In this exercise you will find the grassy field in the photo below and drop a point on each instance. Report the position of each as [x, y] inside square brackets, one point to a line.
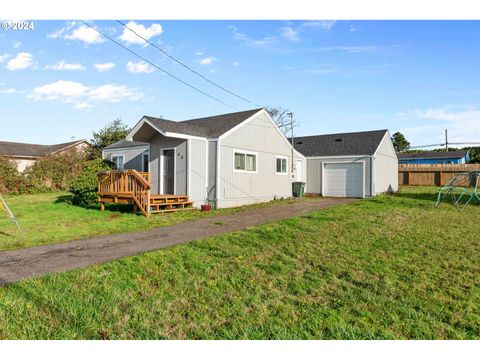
[392, 267]
[51, 218]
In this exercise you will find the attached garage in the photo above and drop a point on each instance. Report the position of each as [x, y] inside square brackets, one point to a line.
[355, 165]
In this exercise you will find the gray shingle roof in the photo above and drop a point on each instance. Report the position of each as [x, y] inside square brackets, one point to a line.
[211, 126]
[122, 144]
[434, 155]
[344, 144]
[32, 150]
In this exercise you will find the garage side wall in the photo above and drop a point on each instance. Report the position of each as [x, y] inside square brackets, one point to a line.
[314, 172]
[385, 167]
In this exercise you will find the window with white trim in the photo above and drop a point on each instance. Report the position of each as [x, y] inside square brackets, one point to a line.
[245, 162]
[281, 165]
[118, 161]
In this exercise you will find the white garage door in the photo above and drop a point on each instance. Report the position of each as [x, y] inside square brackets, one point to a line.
[343, 180]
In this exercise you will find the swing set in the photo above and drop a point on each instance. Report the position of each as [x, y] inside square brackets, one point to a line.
[4, 207]
[463, 189]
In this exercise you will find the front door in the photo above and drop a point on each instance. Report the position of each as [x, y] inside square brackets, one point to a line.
[168, 169]
[299, 170]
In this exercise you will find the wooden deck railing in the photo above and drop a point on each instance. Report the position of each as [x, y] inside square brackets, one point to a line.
[128, 184]
[434, 174]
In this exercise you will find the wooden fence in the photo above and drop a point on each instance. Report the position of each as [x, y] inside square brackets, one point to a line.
[436, 175]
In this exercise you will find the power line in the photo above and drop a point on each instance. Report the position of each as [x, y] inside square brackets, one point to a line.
[157, 67]
[183, 64]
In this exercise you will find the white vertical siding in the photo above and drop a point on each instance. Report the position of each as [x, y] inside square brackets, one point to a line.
[197, 164]
[385, 167]
[212, 171]
[258, 135]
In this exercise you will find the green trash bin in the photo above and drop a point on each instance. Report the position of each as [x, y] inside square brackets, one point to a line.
[298, 188]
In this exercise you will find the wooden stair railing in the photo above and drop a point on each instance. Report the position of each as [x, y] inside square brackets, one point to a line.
[128, 183]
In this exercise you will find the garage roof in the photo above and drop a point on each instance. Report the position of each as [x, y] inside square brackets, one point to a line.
[343, 144]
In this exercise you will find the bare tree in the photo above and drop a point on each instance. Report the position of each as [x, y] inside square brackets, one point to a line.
[281, 118]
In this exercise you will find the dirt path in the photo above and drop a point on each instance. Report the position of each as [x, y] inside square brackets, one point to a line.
[19, 264]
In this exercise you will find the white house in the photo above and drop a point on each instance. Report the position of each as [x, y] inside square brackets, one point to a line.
[226, 160]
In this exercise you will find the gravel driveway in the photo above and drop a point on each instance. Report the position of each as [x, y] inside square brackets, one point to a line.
[19, 264]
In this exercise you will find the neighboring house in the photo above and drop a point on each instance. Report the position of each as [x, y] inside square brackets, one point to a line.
[434, 157]
[25, 155]
[227, 160]
[355, 164]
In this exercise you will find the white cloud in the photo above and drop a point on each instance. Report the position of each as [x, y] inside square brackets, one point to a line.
[104, 66]
[321, 24]
[254, 42]
[290, 33]
[462, 124]
[85, 34]
[199, 53]
[83, 105]
[4, 57]
[60, 90]
[114, 93]
[146, 32]
[79, 94]
[207, 61]
[139, 67]
[16, 44]
[8, 91]
[22, 61]
[62, 31]
[62, 65]
[236, 63]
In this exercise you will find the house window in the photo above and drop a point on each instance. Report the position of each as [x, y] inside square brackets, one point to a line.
[118, 161]
[281, 165]
[245, 161]
[146, 160]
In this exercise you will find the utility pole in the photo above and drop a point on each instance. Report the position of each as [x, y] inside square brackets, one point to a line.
[290, 115]
[446, 140]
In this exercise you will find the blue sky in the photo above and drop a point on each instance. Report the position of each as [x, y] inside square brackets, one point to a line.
[62, 80]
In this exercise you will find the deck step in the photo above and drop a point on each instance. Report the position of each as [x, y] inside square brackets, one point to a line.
[171, 210]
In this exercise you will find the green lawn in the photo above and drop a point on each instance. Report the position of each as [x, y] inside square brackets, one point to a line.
[383, 268]
[51, 218]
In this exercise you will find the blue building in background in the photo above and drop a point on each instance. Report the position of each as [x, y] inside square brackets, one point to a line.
[434, 157]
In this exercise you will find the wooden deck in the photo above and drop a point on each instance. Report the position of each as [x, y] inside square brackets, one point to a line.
[133, 187]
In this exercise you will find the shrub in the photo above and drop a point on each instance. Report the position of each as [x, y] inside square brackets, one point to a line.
[55, 172]
[10, 179]
[84, 186]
